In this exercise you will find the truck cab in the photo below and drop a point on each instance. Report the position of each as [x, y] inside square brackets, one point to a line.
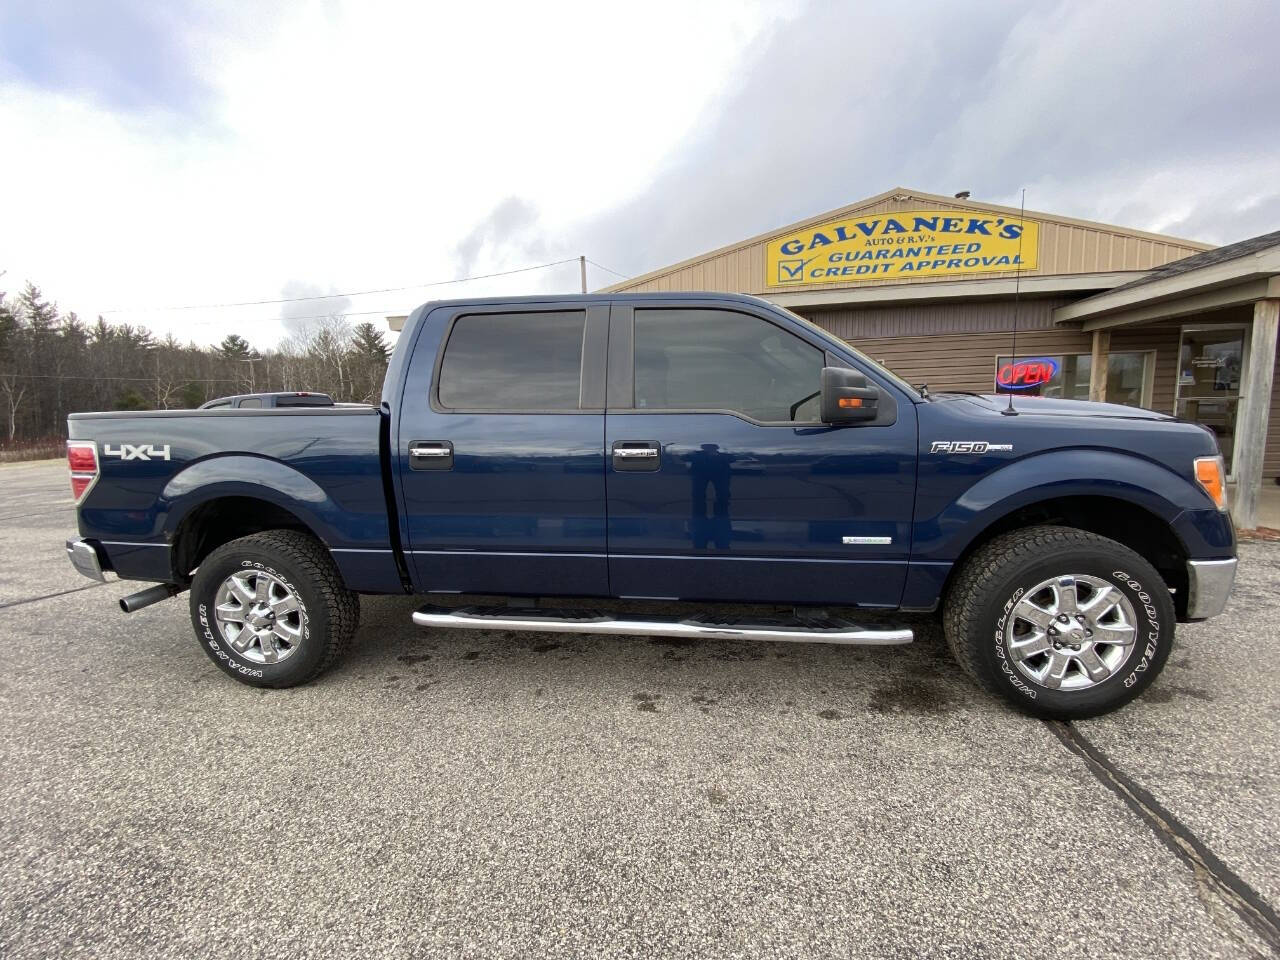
[687, 450]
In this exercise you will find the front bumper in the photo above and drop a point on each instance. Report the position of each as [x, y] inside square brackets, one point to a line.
[84, 557]
[1208, 587]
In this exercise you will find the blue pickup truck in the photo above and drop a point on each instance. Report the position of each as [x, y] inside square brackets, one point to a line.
[680, 452]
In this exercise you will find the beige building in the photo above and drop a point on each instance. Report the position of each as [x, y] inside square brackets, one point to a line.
[930, 285]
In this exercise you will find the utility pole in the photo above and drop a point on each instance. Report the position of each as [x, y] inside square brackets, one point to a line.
[253, 383]
[582, 264]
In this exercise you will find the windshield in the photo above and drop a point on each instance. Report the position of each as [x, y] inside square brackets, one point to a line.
[879, 368]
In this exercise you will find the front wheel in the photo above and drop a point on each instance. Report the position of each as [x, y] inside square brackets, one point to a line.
[1061, 622]
[271, 610]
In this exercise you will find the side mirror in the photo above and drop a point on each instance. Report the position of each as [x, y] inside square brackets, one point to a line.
[847, 397]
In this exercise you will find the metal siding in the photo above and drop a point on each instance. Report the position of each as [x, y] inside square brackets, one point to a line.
[915, 320]
[965, 361]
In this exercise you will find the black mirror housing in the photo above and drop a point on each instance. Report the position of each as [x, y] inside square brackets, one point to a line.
[847, 397]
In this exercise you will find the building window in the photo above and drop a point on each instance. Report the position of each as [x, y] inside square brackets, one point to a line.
[1211, 364]
[1067, 376]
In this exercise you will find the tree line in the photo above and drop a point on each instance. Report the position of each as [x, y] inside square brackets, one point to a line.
[53, 364]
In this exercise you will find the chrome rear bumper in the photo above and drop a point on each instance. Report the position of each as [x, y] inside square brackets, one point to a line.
[84, 557]
[1208, 587]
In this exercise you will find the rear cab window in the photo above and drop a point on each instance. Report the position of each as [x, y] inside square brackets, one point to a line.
[513, 362]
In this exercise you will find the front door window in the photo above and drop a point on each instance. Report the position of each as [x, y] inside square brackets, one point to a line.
[1211, 364]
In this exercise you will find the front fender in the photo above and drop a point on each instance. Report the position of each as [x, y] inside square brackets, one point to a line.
[952, 515]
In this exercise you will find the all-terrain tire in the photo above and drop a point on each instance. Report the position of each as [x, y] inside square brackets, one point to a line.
[979, 617]
[323, 616]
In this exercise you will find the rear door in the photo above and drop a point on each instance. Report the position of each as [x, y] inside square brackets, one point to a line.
[722, 482]
[500, 450]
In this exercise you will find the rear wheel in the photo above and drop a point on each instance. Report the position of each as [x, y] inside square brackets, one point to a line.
[271, 610]
[1061, 622]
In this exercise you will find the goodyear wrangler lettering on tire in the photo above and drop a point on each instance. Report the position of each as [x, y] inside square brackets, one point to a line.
[1153, 634]
[212, 644]
[1000, 650]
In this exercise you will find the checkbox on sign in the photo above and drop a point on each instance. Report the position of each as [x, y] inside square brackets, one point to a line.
[791, 271]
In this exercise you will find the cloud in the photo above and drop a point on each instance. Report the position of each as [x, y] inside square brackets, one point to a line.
[302, 314]
[128, 55]
[510, 234]
[1149, 115]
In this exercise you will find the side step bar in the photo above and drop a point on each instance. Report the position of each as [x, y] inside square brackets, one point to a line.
[819, 629]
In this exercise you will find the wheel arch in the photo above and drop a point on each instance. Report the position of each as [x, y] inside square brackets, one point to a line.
[222, 498]
[217, 520]
[1124, 520]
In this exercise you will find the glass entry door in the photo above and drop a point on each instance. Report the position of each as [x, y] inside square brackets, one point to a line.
[1211, 362]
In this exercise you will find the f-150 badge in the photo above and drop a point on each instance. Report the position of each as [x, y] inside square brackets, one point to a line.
[969, 446]
[141, 451]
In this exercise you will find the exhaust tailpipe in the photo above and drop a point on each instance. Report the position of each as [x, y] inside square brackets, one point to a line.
[145, 598]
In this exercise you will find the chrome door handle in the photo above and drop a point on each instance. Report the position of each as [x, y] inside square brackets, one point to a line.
[637, 455]
[430, 455]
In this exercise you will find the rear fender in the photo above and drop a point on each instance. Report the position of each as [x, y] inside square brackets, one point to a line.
[272, 481]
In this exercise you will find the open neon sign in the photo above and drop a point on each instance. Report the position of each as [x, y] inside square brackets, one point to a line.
[1026, 374]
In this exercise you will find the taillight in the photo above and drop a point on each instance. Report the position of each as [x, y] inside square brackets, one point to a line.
[82, 458]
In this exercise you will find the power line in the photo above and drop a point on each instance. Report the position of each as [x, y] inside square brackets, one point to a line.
[607, 270]
[239, 321]
[144, 378]
[350, 293]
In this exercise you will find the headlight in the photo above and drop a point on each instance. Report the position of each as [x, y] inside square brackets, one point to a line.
[1212, 477]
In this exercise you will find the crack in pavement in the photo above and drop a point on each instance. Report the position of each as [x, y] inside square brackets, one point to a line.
[47, 596]
[39, 513]
[1213, 877]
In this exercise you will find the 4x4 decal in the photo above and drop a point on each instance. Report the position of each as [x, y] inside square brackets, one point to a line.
[141, 451]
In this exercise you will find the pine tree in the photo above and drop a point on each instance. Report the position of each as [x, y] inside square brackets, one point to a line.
[40, 314]
[234, 347]
[369, 342]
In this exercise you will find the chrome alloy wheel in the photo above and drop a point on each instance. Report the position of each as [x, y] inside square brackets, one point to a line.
[1071, 632]
[259, 616]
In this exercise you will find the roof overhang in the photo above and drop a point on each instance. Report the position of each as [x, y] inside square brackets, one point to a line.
[1033, 286]
[1211, 287]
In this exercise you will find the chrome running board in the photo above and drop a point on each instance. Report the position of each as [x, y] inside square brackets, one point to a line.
[817, 629]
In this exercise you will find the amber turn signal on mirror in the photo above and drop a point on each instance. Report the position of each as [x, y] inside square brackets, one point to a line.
[850, 401]
[1211, 475]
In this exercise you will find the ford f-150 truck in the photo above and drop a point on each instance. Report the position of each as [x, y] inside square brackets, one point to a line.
[699, 450]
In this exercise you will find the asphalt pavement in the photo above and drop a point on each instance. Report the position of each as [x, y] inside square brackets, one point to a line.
[464, 794]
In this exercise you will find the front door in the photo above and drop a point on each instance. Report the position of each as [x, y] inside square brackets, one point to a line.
[500, 451]
[724, 485]
[1211, 364]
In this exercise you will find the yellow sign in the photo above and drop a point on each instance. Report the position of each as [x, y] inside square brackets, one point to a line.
[903, 245]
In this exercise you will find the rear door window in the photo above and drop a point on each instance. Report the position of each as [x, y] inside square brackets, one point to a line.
[513, 362]
[725, 360]
[251, 402]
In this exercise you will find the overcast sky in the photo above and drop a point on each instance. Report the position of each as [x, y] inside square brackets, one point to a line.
[167, 154]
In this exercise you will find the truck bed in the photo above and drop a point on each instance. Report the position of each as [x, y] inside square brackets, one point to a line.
[159, 469]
